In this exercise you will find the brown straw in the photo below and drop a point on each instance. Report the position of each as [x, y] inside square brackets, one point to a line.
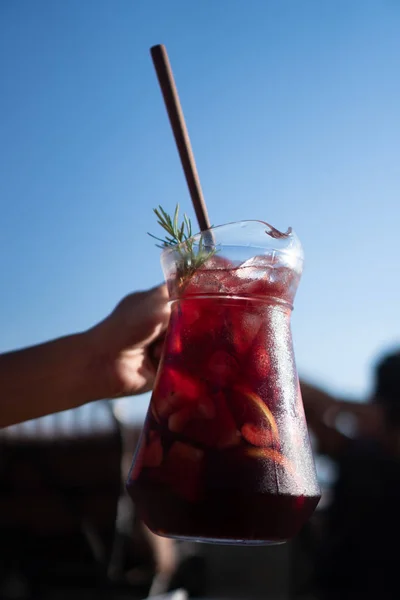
[177, 120]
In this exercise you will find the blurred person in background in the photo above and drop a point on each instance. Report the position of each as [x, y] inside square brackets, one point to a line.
[357, 556]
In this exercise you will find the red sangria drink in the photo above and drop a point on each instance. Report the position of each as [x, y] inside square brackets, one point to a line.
[224, 454]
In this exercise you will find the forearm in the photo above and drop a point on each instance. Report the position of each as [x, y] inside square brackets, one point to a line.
[48, 378]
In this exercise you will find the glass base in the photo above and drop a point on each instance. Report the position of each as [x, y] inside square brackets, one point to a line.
[222, 541]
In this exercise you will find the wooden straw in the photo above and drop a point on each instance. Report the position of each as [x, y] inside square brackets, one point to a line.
[177, 121]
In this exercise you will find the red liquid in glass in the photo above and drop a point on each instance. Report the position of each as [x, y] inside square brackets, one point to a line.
[224, 453]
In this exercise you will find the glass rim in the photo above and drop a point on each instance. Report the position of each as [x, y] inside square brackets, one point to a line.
[271, 231]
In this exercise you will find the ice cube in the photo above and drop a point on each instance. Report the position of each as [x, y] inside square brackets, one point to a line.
[245, 328]
[255, 268]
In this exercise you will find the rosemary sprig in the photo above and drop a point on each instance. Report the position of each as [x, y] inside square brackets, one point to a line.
[191, 255]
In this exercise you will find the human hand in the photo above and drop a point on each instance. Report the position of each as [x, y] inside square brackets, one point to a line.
[128, 343]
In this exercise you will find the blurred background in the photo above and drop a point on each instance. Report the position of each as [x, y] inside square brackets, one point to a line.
[293, 112]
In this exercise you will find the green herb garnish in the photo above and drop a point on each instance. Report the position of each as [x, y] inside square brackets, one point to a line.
[192, 254]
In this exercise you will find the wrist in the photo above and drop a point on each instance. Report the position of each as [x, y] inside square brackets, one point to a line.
[99, 367]
[76, 371]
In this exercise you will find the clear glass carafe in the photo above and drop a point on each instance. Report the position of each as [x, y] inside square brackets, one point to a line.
[224, 455]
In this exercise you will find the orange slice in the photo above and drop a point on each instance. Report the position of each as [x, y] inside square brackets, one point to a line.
[257, 436]
[248, 408]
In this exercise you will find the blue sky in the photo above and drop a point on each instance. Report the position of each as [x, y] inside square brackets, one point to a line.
[293, 109]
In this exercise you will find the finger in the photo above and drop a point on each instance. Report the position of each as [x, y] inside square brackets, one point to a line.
[146, 314]
[155, 350]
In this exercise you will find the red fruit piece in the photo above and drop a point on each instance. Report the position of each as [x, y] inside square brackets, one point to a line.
[245, 326]
[183, 469]
[173, 391]
[221, 369]
[257, 361]
[173, 342]
[202, 409]
[258, 365]
[178, 420]
[174, 345]
[190, 311]
[213, 311]
[219, 432]
[153, 453]
[203, 331]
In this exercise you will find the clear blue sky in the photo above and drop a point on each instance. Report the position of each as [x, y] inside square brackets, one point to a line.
[294, 113]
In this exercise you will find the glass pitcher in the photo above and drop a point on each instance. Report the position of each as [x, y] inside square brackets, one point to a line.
[224, 454]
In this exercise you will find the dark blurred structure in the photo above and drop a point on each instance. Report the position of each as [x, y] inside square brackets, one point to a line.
[67, 526]
[352, 542]
[60, 482]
